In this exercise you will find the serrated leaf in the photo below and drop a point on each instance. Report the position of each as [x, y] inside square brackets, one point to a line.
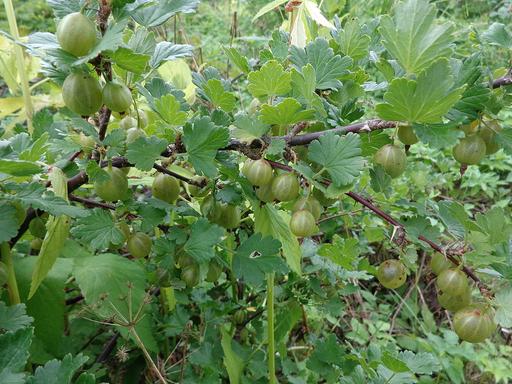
[270, 80]
[438, 136]
[503, 304]
[63, 7]
[169, 109]
[455, 218]
[248, 129]
[8, 222]
[13, 318]
[380, 180]
[271, 222]
[19, 167]
[414, 38]
[14, 347]
[58, 372]
[218, 96]
[96, 173]
[38, 197]
[203, 237]
[110, 41]
[504, 138]
[98, 230]
[236, 57]
[421, 363]
[111, 282]
[420, 226]
[203, 139]
[394, 364]
[161, 11]
[498, 35]
[329, 68]
[287, 112]
[352, 41]
[166, 51]
[340, 156]
[129, 60]
[425, 100]
[256, 257]
[144, 151]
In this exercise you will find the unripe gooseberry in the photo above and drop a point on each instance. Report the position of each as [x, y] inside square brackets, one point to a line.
[117, 96]
[470, 150]
[166, 188]
[474, 324]
[392, 158]
[391, 274]
[406, 135]
[76, 34]
[139, 245]
[488, 133]
[82, 94]
[302, 223]
[113, 189]
[453, 281]
[259, 172]
[285, 187]
[128, 122]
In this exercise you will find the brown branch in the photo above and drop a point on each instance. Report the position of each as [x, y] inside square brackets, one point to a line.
[365, 126]
[379, 212]
[91, 203]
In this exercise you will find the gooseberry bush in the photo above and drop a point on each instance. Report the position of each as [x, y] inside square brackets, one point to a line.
[170, 222]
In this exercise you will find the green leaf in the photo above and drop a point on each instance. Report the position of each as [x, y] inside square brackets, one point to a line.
[144, 151]
[236, 57]
[455, 218]
[163, 10]
[37, 196]
[218, 96]
[63, 7]
[503, 304]
[19, 167]
[53, 243]
[256, 257]
[380, 180]
[352, 40]
[498, 35]
[504, 138]
[394, 364]
[329, 68]
[58, 372]
[495, 223]
[420, 226]
[96, 173]
[232, 361]
[166, 51]
[111, 282]
[413, 38]
[203, 238]
[14, 347]
[203, 139]
[425, 100]
[8, 222]
[169, 109]
[268, 7]
[270, 80]
[340, 156]
[287, 112]
[110, 41]
[247, 128]
[13, 318]
[328, 352]
[129, 60]
[47, 305]
[438, 136]
[98, 230]
[421, 363]
[271, 222]
[305, 84]
[56, 234]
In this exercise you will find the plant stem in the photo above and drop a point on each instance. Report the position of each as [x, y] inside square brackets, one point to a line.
[20, 62]
[14, 295]
[147, 355]
[271, 349]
